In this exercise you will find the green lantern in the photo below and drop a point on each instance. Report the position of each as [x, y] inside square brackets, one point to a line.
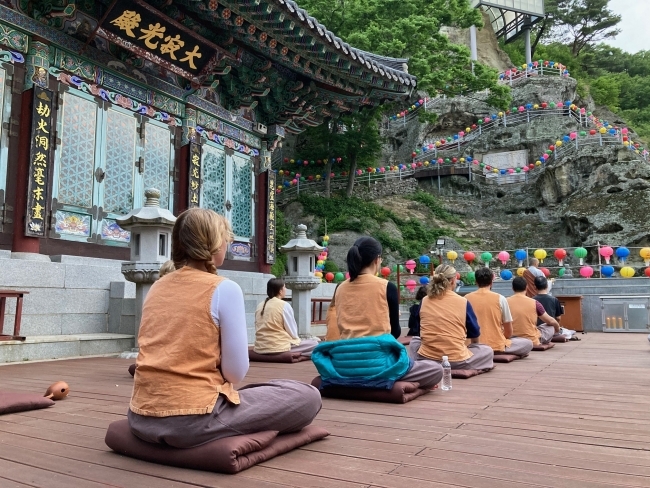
[561, 272]
[339, 277]
[486, 257]
[581, 254]
[471, 278]
[518, 170]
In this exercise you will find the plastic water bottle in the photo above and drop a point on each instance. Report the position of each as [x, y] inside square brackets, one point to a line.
[446, 374]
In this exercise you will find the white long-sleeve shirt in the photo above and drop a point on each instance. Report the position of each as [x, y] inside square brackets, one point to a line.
[229, 314]
[290, 324]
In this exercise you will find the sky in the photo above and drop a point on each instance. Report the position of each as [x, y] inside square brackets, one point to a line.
[635, 35]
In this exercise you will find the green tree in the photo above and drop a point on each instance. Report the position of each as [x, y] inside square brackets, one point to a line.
[361, 142]
[606, 91]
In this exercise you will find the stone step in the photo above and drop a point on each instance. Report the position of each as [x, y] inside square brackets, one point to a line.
[44, 347]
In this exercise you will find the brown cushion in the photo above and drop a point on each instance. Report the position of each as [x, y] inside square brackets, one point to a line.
[12, 402]
[464, 374]
[228, 455]
[132, 369]
[405, 340]
[278, 357]
[402, 392]
[501, 357]
[543, 347]
[559, 338]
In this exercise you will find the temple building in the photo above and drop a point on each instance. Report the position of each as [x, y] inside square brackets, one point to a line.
[101, 99]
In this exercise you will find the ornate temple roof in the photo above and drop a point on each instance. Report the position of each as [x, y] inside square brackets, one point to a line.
[268, 56]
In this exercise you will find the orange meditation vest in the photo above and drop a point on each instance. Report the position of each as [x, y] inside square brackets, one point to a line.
[270, 334]
[180, 348]
[524, 317]
[488, 312]
[361, 307]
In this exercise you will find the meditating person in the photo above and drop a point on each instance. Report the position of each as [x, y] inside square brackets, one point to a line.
[525, 315]
[493, 314]
[368, 307]
[166, 268]
[530, 274]
[194, 348]
[276, 330]
[414, 312]
[447, 320]
[552, 307]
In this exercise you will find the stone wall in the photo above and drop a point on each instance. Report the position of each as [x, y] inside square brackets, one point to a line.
[381, 189]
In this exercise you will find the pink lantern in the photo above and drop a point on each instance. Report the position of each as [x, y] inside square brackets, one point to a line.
[624, 130]
[521, 108]
[410, 265]
[504, 257]
[583, 111]
[410, 284]
[413, 165]
[586, 271]
[573, 135]
[525, 169]
[347, 275]
[510, 171]
[606, 252]
[487, 119]
[440, 161]
[461, 133]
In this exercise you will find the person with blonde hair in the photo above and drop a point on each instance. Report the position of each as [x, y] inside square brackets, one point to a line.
[493, 313]
[447, 320]
[194, 348]
[276, 330]
[166, 268]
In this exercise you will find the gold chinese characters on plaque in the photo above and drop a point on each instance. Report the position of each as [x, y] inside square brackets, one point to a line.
[270, 218]
[40, 160]
[194, 180]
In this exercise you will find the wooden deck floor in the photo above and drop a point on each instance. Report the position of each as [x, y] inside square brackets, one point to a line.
[574, 416]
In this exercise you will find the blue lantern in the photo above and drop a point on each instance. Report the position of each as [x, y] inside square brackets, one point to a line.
[607, 271]
[469, 159]
[506, 274]
[612, 132]
[520, 255]
[566, 138]
[493, 116]
[529, 106]
[455, 137]
[424, 259]
[622, 253]
[567, 103]
[503, 171]
[424, 280]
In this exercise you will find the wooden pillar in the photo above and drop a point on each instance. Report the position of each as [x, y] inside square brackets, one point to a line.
[183, 170]
[20, 242]
[260, 221]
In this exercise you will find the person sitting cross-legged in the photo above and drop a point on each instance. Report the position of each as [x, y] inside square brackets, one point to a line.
[494, 317]
[367, 316]
[276, 330]
[525, 315]
[447, 320]
[194, 348]
[552, 307]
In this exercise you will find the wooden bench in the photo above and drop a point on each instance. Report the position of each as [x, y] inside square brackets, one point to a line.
[18, 295]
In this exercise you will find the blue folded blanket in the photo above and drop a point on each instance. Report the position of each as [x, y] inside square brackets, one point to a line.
[365, 362]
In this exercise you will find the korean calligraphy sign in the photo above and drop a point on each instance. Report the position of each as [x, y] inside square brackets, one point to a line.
[270, 218]
[194, 180]
[40, 160]
[140, 28]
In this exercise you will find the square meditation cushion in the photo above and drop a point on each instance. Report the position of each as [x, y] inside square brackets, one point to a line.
[278, 357]
[543, 347]
[227, 455]
[12, 402]
[559, 338]
[464, 374]
[500, 357]
[401, 392]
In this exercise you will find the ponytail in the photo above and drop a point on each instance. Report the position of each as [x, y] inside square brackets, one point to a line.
[364, 251]
[273, 288]
[441, 280]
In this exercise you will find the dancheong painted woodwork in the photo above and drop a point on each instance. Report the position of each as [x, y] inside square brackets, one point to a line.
[187, 96]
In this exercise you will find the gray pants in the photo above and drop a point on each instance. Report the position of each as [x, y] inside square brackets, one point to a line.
[547, 331]
[282, 405]
[426, 372]
[305, 347]
[519, 346]
[481, 359]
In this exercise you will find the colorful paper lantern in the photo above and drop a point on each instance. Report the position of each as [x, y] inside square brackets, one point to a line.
[647, 272]
[520, 255]
[586, 271]
[606, 252]
[546, 272]
[410, 265]
[452, 256]
[504, 257]
[339, 277]
[506, 274]
[520, 271]
[385, 271]
[627, 272]
[329, 277]
[486, 257]
[607, 271]
[581, 254]
[424, 259]
[560, 272]
[540, 254]
[469, 257]
[622, 253]
[411, 284]
[560, 254]
[424, 280]
[645, 255]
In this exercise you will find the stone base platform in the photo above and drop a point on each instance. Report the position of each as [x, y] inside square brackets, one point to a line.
[36, 348]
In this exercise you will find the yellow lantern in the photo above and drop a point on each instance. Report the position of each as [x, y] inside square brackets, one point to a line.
[536, 106]
[320, 261]
[452, 256]
[645, 254]
[540, 254]
[627, 272]
[603, 130]
[520, 271]
[437, 143]
[462, 160]
[468, 129]
[318, 274]
[426, 163]
[626, 143]
[538, 163]
[495, 170]
[500, 114]
[326, 238]
[558, 143]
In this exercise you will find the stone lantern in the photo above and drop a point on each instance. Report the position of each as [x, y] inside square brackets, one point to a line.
[301, 261]
[151, 232]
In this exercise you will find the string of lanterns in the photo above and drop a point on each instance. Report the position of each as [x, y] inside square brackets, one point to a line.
[533, 65]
